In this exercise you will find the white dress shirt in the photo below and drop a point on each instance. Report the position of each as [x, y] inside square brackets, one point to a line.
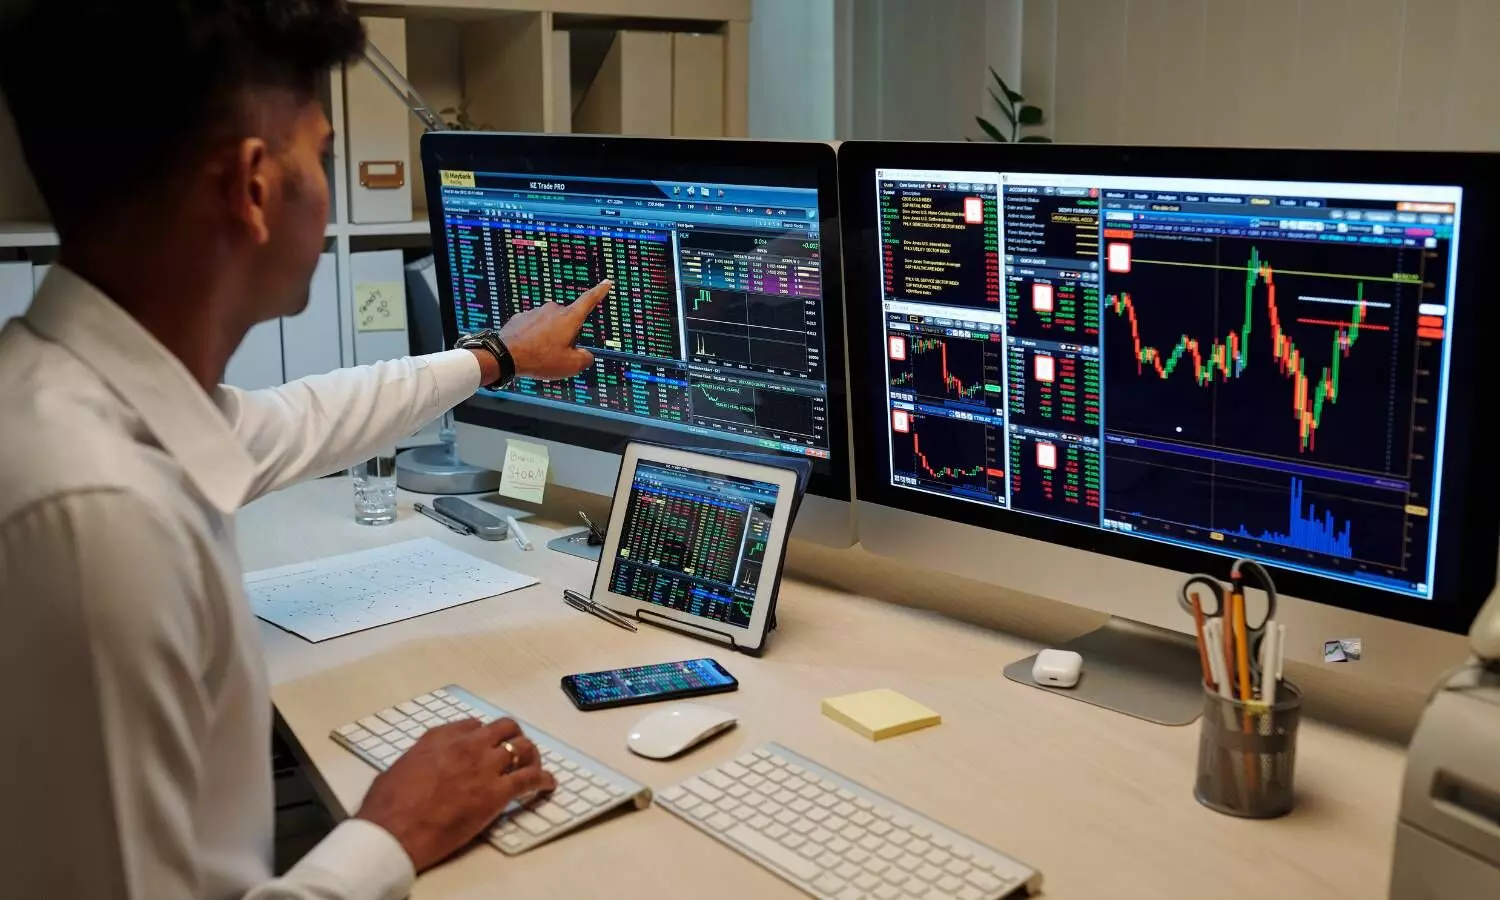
[135, 745]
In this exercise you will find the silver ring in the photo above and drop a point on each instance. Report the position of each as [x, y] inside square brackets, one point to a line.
[514, 756]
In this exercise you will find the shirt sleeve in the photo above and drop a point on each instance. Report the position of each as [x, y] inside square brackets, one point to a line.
[106, 641]
[321, 424]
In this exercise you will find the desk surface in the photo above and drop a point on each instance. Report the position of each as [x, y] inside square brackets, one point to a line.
[1100, 803]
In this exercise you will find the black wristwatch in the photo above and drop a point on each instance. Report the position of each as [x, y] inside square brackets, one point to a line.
[489, 339]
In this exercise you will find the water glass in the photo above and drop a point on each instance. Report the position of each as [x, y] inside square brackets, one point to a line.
[375, 489]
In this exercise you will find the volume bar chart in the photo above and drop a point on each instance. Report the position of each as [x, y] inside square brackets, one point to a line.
[1305, 531]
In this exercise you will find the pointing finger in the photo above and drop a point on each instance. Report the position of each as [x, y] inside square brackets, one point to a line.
[590, 299]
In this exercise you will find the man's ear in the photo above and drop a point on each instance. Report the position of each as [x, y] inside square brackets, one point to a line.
[250, 188]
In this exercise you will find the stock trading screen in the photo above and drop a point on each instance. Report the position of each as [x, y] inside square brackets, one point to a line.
[694, 541]
[715, 325]
[1251, 368]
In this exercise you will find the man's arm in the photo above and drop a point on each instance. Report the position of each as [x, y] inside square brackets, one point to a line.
[105, 643]
[325, 423]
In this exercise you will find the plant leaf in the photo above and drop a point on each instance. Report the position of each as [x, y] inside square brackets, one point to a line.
[1005, 110]
[1031, 115]
[1036, 139]
[1015, 96]
[991, 130]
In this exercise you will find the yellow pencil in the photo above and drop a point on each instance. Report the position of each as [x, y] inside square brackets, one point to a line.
[1241, 646]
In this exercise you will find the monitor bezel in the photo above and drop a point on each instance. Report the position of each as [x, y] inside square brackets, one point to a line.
[1468, 538]
[633, 157]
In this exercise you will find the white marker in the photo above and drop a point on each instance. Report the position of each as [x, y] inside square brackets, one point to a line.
[517, 534]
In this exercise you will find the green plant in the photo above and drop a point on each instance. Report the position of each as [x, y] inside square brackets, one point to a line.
[1018, 114]
[458, 119]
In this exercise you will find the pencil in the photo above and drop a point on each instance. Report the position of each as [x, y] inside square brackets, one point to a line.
[1208, 675]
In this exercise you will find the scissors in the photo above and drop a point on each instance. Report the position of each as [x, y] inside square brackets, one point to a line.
[1221, 605]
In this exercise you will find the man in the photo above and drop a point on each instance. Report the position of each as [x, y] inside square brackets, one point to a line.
[185, 176]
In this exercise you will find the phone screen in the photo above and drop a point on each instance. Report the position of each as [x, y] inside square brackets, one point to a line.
[620, 686]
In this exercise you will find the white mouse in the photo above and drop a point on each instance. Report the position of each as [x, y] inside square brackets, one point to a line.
[668, 732]
[1057, 668]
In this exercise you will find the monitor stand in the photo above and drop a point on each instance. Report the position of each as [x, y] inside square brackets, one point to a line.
[576, 544]
[1133, 668]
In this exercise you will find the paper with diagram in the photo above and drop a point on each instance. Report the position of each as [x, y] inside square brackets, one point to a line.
[339, 595]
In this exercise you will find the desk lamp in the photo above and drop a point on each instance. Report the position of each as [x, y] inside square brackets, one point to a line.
[434, 469]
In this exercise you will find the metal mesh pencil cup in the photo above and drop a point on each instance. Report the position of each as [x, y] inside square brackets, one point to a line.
[1247, 753]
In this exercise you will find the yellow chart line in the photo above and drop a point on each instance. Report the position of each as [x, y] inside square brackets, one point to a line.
[1163, 262]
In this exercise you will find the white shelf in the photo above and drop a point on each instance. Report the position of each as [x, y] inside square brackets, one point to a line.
[27, 234]
[379, 229]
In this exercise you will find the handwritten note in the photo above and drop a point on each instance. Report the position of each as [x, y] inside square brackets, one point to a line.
[525, 474]
[379, 306]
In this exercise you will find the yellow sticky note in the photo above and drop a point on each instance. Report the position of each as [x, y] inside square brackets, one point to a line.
[879, 714]
[379, 306]
[524, 476]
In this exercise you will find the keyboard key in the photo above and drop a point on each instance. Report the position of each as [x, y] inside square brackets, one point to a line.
[726, 803]
[918, 847]
[970, 893]
[847, 871]
[760, 822]
[779, 855]
[579, 807]
[673, 794]
[880, 828]
[886, 892]
[984, 880]
[553, 812]
[701, 811]
[703, 789]
[845, 809]
[533, 822]
[425, 717]
[957, 867]
[737, 791]
[392, 716]
[511, 841]
[821, 835]
[828, 883]
[384, 751]
[851, 893]
[786, 817]
[857, 856]
[374, 725]
[440, 693]
[405, 743]
[802, 826]
[865, 881]
[776, 776]
[896, 876]
[838, 845]
[851, 833]
[949, 885]
[743, 813]
[717, 779]
[898, 838]
[748, 760]
[762, 767]
[409, 708]
[800, 805]
[888, 853]
[595, 796]
[719, 822]
[785, 798]
[752, 781]
[908, 862]
[734, 770]
[835, 823]
[871, 843]
[817, 815]
[810, 851]
[876, 866]
[861, 818]
[929, 873]
[792, 840]
[370, 743]
[828, 861]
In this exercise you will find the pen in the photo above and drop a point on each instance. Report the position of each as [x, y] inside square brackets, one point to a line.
[450, 524]
[1208, 676]
[588, 605]
[517, 534]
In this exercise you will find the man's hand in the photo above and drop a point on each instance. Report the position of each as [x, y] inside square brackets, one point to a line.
[451, 785]
[541, 339]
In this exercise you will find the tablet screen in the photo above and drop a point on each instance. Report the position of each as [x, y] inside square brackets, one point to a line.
[694, 541]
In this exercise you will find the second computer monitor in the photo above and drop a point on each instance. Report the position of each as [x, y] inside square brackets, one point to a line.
[725, 326]
[1174, 357]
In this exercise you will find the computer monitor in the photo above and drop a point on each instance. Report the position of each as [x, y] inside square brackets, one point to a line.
[725, 327]
[1168, 358]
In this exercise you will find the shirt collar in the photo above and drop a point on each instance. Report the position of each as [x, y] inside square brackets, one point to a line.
[133, 364]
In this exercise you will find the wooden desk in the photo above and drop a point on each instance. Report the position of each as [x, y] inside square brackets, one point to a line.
[1102, 804]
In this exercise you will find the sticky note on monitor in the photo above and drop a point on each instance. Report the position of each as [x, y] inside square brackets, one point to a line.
[524, 476]
[879, 714]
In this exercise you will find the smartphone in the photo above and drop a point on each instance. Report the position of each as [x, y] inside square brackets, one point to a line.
[647, 684]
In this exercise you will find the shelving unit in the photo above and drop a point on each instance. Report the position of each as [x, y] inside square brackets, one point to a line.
[521, 65]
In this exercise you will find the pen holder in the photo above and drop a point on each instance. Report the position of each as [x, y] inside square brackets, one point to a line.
[1246, 754]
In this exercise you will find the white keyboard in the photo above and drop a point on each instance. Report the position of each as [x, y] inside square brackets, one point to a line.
[837, 839]
[586, 788]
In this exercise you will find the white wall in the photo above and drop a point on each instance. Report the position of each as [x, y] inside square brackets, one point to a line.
[792, 69]
[1406, 74]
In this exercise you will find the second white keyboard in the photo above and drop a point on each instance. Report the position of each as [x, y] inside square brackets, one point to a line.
[837, 839]
[586, 788]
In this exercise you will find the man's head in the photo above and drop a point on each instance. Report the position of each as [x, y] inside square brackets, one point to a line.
[195, 123]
